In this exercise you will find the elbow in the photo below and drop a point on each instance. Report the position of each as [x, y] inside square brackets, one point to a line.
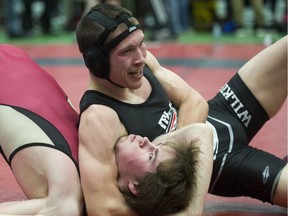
[203, 107]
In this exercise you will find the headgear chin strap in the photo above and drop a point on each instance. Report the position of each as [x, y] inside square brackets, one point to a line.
[97, 57]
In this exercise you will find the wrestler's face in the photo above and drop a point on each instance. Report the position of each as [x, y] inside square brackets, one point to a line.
[136, 156]
[127, 61]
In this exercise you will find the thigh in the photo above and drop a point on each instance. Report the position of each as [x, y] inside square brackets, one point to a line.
[40, 159]
[17, 130]
[266, 76]
[41, 171]
[31, 152]
[237, 106]
[21, 128]
[249, 172]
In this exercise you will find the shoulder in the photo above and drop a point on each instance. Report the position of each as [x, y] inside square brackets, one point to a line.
[99, 112]
[100, 117]
[99, 120]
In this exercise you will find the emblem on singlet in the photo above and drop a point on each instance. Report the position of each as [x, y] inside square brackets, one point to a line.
[265, 174]
[168, 119]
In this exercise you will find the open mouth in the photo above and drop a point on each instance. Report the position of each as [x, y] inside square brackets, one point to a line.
[136, 73]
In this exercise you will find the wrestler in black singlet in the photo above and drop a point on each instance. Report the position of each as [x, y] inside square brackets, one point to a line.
[238, 169]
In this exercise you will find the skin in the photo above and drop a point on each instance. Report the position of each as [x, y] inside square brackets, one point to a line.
[136, 156]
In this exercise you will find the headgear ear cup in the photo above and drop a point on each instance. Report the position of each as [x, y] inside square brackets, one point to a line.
[97, 61]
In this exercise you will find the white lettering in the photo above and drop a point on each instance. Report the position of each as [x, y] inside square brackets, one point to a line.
[246, 117]
[132, 28]
[226, 91]
[236, 100]
[236, 104]
[168, 119]
[164, 120]
[240, 105]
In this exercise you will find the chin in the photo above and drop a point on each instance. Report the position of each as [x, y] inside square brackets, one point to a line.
[136, 85]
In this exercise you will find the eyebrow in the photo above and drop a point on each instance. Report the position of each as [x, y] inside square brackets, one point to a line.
[156, 155]
[127, 46]
[158, 144]
[130, 45]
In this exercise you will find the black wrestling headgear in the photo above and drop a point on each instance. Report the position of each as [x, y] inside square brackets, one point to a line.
[97, 57]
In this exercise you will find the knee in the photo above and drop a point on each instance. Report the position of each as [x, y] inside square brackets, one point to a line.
[280, 195]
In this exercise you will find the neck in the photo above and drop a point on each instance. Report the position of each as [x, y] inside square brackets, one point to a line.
[133, 96]
[115, 84]
[108, 88]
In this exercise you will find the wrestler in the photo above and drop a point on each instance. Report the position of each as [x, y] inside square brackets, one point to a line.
[131, 93]
[239, 110]
[121, 69]
[38, 138]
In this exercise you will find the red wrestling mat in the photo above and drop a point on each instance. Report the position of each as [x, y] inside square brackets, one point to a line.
[207, 80]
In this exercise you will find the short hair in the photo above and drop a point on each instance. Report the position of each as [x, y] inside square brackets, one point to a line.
[88, 31]
[170, 188]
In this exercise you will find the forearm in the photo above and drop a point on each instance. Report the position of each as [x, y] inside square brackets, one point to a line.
[197, 202]
[193, 112]
[202, 133]
[204, 172]
[25, 207]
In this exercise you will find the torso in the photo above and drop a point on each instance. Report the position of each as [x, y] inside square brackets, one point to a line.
[139, 117]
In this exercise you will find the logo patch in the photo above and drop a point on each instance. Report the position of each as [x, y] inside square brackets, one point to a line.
[265, 174]
[133, 28]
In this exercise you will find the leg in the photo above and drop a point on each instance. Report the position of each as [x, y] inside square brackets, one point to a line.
[266, 76]
[47, 176]
[27, 16]
[280, 196]
[53, 186]
[258, 8]
[237, 10]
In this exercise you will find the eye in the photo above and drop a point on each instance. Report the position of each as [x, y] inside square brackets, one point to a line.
[126, 51]
[150, 156]
[142, 43]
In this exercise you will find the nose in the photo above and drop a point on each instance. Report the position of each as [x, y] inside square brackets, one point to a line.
[145, 142]
[140, 55]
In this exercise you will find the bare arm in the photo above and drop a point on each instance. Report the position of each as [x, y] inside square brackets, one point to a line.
[204, 172]
[193, 108]
[98, 132]
[203, 134]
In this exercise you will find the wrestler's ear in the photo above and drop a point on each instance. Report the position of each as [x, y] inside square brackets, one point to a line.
[133, 187]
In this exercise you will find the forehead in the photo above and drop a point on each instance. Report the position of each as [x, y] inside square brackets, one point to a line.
[134, 37]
